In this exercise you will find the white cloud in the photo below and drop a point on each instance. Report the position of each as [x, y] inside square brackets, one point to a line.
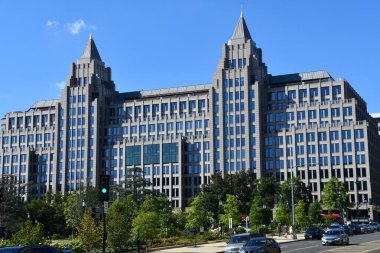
[74, 28]
[52, 23]
[60, 85]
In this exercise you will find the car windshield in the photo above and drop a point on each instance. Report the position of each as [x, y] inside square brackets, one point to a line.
[334, 227]
[312, 229]
[333, 232]
[256, 242]
[238, 239]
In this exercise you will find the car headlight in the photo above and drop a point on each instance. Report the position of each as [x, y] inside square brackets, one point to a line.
[337, 239]
[241, 251]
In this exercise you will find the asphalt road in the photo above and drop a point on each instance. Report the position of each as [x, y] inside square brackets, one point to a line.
[358, 243]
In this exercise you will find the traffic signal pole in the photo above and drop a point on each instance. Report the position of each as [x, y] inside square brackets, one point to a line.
[104, 228]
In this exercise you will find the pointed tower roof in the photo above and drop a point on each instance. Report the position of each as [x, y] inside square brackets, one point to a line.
[241, 30]
[91, 51]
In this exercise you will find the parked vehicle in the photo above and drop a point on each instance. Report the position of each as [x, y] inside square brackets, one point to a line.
[376, 224]
[29, 249]
[369, 228]
[261, 244]
[237, 241]
[335, 227]
[335, 237]
[348, 230]
[363, 229]
[355, 228]
[314, 232]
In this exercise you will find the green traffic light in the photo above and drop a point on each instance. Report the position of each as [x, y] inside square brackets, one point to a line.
[104, 190]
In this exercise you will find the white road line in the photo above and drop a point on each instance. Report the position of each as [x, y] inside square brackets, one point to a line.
[301, 248]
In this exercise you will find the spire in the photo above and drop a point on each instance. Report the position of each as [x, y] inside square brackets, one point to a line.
[241, 29]
[91, 51]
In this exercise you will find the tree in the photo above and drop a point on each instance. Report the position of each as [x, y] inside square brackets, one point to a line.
[73, 210]
[90, 235]
[12, 208]
[231, 210]
[146, 227]
[242, 188]
[50, 216]
[266, 188]
[135, 184]
[29, 234]
[260, 214]
[119, 223]
[282, 214]
[335, 195]
[300, 213]
[315, 212]
[301, 191]
[196, 216]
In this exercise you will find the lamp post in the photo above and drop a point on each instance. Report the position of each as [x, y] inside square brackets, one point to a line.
[293, 215]
[292, 187]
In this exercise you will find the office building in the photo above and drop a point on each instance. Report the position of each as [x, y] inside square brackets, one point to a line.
[246, 119]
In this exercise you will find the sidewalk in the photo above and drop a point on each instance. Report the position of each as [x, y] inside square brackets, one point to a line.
[218, 247]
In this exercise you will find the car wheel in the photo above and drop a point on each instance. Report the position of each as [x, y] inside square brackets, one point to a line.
[348, 241]
[279, 250]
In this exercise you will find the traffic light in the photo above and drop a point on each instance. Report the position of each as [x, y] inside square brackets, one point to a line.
[104, 194]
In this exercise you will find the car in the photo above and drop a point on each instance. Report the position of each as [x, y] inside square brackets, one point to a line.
[370, 228]
[348, 230]
[335, 226]
[375, 224]
[355, 228]
[261, 244]
[29, 249]
[363, 229]
[335, 237]
[314, 232]
[237, 241]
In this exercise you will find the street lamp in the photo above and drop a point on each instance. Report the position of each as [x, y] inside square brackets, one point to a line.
[292, 187]
[293, 215]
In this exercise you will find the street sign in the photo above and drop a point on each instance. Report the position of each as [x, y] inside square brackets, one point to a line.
[202, 229]
[105, 203]
[230, 223]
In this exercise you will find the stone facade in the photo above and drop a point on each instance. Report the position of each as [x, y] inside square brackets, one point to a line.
[246, 119]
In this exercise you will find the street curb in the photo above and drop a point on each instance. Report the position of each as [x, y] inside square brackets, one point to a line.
[182, 245]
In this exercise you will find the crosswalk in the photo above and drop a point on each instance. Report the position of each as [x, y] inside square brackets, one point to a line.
[371, 246]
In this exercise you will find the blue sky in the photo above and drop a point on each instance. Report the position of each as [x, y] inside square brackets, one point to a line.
[160, 43]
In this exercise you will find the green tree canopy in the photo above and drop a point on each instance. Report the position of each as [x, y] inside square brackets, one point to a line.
[335, 195]
[146, 226]
[90, 235]
[231, 210]
[301, 191]
[300, 212]
[119, 222]
[196, 216]
[29, 234]
[315, 211]
[260, 214]
[266, 188]
[282, 214]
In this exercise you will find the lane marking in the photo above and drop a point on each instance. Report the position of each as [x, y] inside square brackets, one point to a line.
[302, 248]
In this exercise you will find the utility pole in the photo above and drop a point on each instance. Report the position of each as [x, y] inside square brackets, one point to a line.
[105, 204]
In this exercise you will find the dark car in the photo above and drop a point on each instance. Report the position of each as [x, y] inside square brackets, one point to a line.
[355, 228]
[237, 241]
[29, 249]
[376, 225]
[261, 244]
[314, 232]
[348, 230]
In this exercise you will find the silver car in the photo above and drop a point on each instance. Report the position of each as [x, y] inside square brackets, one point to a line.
[236, 242]
[335, 237]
